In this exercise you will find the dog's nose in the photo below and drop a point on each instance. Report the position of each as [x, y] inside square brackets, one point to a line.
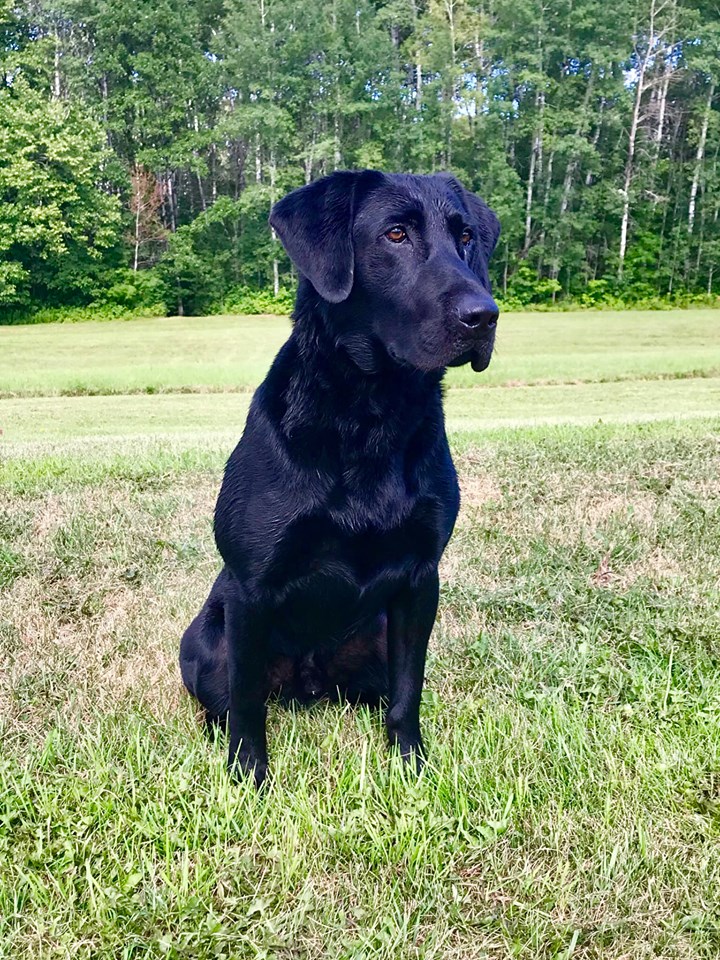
[476, 311]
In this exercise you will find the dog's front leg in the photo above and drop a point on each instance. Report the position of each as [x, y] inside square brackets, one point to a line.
[247, 662]
[410, 621]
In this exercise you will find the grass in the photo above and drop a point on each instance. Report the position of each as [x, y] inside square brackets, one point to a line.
[232, 353]
[60, 381]
[481, 408]
[571, 807]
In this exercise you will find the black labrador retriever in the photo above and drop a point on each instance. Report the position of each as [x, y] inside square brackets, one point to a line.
[340, 497]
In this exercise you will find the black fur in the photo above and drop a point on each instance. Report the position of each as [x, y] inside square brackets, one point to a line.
[339, 499]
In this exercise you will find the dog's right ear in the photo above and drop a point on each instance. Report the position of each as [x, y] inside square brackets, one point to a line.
[315, 225]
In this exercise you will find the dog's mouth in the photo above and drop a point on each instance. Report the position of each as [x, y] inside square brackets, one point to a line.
[480, 361]
[478, 358]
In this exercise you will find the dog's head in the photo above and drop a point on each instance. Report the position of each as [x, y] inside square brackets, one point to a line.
[403, 257]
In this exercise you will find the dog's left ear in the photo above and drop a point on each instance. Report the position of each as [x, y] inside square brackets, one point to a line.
[315, 225]
[484, 219]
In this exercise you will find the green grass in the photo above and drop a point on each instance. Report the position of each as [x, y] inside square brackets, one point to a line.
[232, 353]
[88, 379]
[571, 806]
[44, 418]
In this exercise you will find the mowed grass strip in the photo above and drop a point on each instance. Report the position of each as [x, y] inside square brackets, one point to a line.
[233, 353]
[481, 408]
[571, 807]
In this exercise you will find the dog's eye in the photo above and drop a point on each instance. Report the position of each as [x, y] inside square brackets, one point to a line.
[466, 236]
[396, 234]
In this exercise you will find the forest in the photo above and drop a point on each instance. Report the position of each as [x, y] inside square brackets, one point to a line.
[142, 144]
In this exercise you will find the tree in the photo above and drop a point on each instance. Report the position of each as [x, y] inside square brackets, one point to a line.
[58, 227]
[596, 137]
[145, 204]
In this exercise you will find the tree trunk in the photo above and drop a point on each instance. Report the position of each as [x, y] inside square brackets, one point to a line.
[589, 174]
[276, 264]
[629, 169]
[171, 201]
[546, 202]
[569, 177]
[535, 166]
[203, 201]
[418, 63]
[652, 41]
[57, 86]
[573, 163]
[104, 89]
[137, 235]
[213, 172]
[662, 108]
[529, 196]
[716, 215]
[674, 255]
[699, 156]
[480, 72]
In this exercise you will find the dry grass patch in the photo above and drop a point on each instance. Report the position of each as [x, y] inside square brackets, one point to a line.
[111, 582]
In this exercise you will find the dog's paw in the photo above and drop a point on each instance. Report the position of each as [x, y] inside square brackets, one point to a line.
[241, 767]
[411, 749]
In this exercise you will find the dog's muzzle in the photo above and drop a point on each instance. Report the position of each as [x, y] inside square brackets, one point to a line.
[476, 320]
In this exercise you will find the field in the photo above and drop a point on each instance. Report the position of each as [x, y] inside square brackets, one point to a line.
[571, 806]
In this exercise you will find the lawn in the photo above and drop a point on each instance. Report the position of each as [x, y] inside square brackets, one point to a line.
[61, 381]
[232, 353]
[571, 806]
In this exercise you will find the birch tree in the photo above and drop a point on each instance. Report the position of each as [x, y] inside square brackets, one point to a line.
[649, 36]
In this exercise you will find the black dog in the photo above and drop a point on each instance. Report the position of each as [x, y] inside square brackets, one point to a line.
[341, 496]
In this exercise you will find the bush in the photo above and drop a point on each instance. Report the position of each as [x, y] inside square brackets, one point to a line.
[611, 302]
[192, 283]
[67, 314]
[133, 291]
[243, 299]
[223, 259]
[526, 289]
[128, 295]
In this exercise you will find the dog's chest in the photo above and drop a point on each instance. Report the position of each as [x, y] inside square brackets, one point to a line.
[334, 569]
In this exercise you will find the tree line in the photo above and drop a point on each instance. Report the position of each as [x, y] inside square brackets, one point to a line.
[142, 144]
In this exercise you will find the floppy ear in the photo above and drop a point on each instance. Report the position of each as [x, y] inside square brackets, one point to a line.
[484, 220]
[487, 222]
[315, 225]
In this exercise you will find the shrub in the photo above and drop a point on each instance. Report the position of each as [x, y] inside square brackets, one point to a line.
[132, 291]
[525, 288]
[243, 299]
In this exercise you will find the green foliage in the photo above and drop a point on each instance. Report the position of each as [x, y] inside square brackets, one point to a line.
[138, 292]
[203, 268]
[191, 284]
[159, 135]
[525, 288]
[246, 300]
[58, 229]
[89, 313]
[125, 294]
